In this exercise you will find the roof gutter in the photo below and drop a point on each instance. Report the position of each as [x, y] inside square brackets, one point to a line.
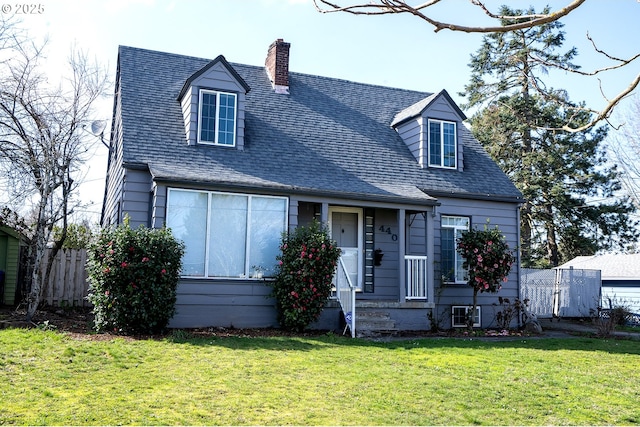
[476, 196]
[290, 189]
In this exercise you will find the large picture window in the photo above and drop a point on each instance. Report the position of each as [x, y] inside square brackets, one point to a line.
[442, 144]
[452, 228]
[217, 118]
[227, 235]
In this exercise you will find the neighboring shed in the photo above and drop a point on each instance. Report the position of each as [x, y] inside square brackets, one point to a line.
[620, 277]
[10, 243]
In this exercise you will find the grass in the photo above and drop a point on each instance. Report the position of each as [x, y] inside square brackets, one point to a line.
[47, 377]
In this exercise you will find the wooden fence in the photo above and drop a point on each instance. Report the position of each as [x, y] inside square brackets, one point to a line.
[68, 285]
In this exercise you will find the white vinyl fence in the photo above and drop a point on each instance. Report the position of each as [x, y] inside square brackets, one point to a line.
[561, 292]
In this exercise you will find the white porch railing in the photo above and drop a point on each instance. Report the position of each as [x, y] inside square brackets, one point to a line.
[346, 295]
[416, 276]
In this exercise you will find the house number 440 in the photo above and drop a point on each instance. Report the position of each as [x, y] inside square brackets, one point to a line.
[385, 229]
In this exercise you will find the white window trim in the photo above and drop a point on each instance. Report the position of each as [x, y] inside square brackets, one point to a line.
[217, 127]
[477, 320]
[248, 268]
[455, 229]
[455, 138]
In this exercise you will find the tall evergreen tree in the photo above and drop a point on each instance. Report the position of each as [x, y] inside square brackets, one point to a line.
[559, 173]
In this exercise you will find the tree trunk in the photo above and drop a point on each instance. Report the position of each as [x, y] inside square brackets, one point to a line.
[552, 243]
[525, 233]
[40, 239]
[472, 314]
[33, 299]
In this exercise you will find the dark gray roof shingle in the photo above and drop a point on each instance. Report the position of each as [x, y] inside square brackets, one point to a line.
[329, 136]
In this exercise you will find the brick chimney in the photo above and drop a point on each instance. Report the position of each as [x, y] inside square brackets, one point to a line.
[277, 66]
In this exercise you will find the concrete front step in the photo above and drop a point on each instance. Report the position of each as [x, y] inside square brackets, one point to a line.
[374, 323]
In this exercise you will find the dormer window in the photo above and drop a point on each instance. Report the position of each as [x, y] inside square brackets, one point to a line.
[217, 118]
[433, 142]
[442, 144]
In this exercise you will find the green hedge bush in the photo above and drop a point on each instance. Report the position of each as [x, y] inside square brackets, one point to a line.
[305, 270]
[133, 278]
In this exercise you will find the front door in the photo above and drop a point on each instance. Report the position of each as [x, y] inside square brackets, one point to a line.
[345, 225]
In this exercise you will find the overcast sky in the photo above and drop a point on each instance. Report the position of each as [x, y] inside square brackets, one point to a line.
[399, 50]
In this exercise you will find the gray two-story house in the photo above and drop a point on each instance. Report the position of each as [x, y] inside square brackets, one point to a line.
[230, 156]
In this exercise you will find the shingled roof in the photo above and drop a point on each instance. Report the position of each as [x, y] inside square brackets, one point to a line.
[328, 137]
[612, 266]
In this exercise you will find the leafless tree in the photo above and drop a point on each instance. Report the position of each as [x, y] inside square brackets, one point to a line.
[422, 10]
[42, 142]
[624, 145]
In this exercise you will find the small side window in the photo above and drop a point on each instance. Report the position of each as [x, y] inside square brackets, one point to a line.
[459, 315]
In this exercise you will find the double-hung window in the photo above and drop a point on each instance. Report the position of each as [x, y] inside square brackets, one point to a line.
[452, 228]
[442, 144]
[217, 118]
[227, 235]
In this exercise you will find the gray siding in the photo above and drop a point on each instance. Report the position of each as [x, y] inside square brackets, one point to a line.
[411, 134]
[503, 215]
[115, 172]
[441, 109]
[189, 105]
[416, 234]
[159, 206]
[136, 197]
[386, 238]
[226, 303]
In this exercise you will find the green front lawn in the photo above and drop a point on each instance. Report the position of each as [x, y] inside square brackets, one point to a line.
[47, 377]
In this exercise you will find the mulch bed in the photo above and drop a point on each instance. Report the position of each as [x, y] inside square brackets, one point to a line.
[78, 320]
[78, 323]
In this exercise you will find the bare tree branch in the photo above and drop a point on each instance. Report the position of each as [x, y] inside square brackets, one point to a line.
[624, 148]
[385, 7]
[606, 112]
[621, 62]
[421, 10]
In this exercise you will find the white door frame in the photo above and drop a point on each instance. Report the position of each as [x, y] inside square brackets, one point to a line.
[360, 249]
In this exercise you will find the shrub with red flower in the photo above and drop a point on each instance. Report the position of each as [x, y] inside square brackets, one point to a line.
[487, 259]
[133, 278]
[304, 273]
